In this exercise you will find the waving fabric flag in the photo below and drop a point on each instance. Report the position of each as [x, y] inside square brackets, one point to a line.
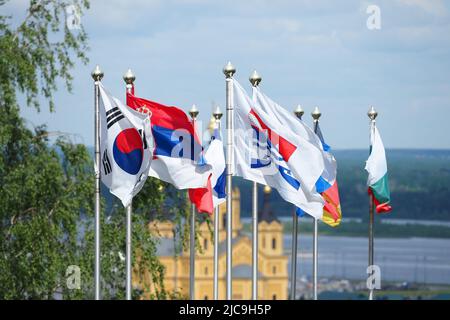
[215, 156]
[206, 199]
[332, 214]
[126, 147]
[328, 187]
[267, 152]
[178, 154]
[202, 198]
[376, 166]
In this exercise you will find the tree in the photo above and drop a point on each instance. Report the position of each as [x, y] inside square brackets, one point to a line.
[46, 188]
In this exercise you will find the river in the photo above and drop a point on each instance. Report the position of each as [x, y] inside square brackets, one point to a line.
[417, 260]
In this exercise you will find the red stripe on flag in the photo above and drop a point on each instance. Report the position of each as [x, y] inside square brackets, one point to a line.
[285, 148]
[172, 118]
[380, 207]
[202, 198]
[332, 201]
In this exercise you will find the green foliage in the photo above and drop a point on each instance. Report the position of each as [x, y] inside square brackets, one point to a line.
[46, 203]
[38, 53]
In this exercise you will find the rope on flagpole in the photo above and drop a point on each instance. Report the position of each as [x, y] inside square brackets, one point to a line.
[97, 75]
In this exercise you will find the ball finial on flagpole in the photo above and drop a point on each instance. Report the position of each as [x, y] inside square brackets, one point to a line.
[255, 79]
[316, 114]
[229, 70]
[372, 113]
[97, 74]
[217, 114]
[129, 77]
[299, 112]
[194, 112]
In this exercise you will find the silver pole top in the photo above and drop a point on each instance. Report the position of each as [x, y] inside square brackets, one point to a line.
[97, 74]
[372, 113]
[194, 112]
[229, 70]
[316, 114]
[217, 114]
[129, 77]
[255, 79]
[299, 112]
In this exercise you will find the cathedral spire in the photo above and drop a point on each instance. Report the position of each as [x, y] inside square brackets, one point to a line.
[266, 214]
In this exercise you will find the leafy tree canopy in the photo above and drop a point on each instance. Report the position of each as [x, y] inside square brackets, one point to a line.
[46, 187]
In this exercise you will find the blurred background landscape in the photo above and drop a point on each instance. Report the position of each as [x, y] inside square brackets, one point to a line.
[412, 243]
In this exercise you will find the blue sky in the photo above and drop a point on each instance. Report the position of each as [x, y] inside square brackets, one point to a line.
[313, 53]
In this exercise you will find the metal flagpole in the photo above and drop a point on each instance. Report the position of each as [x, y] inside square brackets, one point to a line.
[316, 116]
[217, 115]
[129, 80]
[128, 252]
[193, 113]
[229, 71]
[372, 114]
[299, 113]
[97, 75]
[255, 80]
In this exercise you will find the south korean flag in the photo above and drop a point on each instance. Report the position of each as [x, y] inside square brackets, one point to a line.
[126, 147]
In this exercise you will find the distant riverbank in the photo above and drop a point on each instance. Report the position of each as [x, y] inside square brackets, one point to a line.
[358, 228]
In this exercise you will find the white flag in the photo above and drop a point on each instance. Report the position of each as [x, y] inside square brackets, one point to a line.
[126, 146]
[268, 152]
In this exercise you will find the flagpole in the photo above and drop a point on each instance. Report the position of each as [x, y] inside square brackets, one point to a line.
[372, 114]
[255, 80]
[229, 71]
[97, 75]
[193, 113]
[316, 116]
[217, 114]
[129, 80]
[299, 113]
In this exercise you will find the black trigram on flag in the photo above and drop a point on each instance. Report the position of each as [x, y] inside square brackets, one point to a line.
[106, 163]
[144, 140]
[112, 116]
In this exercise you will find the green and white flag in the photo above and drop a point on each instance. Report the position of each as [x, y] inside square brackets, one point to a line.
[376, 166]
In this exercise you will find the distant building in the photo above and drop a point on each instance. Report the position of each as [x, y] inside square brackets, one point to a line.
[273, 264]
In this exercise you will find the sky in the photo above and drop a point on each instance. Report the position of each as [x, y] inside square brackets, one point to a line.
[308, 52]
